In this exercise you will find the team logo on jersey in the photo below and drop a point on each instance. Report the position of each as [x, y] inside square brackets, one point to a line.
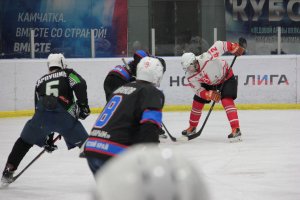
[125, 90]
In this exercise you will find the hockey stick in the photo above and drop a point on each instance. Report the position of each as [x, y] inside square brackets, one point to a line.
[39, 155]
[171, 137]
[125, 63]
[213, 104]
[190, 137]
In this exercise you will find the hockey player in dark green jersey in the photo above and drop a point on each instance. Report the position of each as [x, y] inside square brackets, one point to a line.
[55, 111]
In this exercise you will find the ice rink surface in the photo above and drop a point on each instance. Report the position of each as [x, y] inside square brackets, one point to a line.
[264, 166]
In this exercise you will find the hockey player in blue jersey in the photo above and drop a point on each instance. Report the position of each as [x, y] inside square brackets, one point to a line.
[132, 115]
[122, 74]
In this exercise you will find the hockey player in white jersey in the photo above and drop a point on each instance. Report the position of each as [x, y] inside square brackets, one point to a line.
[205, 74]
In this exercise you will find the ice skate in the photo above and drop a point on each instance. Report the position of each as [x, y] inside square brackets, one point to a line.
[235, 135]
[162, 134]
[7, 176]
[190, 131]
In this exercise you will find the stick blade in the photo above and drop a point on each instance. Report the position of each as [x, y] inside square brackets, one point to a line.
[183, 139]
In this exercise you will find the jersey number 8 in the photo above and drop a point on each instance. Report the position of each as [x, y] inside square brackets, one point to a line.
[108, 111]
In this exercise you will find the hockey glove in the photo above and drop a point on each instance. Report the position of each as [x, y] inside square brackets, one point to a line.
[49, 144]
[236, 49]
[213, 95]
[84, 111]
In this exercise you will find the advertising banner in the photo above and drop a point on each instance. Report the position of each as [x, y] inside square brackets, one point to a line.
[272, 79]
[258, 22]
[63, 26]
[261, 79]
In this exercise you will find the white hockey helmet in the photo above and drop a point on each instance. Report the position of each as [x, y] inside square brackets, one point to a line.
[146, 172]
[151, 70]
[187, 61]
[56, 60]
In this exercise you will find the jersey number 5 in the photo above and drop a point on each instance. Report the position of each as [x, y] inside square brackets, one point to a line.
[51, 88]
[108, 111]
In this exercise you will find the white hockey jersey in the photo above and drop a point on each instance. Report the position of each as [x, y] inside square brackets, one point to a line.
[211, 69]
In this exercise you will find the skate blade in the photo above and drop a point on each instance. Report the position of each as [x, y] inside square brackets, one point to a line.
[163, 137]
[4, 184]
[236, 139]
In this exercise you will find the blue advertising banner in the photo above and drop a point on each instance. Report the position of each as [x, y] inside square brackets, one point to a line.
[63, 26]
[258, 21]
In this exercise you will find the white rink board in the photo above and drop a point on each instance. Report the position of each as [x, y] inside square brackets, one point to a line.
[18, 77]
[275, 89]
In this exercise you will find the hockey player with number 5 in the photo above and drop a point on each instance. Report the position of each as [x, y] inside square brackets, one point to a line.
[206, 74]
[55, 111]
[131, 116]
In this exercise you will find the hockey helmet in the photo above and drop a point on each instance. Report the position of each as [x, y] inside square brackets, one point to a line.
[151, 70]
[56, 60]
[149, 172]
[163, 62]
[188, 60]
[137, 56]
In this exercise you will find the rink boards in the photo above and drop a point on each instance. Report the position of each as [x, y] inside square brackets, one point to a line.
[264, 82]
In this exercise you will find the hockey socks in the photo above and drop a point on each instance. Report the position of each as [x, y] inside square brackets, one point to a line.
[18, 152]
[231, 112]
[196, 113]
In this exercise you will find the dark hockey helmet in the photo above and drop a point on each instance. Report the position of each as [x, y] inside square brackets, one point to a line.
[163, 62]
[137, 56]
[150, 172]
